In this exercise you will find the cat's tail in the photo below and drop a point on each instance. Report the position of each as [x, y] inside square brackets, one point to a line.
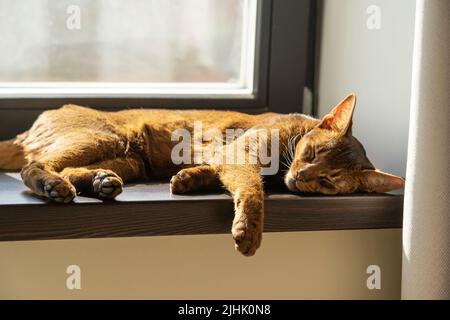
[12, 155]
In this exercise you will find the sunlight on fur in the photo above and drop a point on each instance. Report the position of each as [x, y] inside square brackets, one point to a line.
[76, 150]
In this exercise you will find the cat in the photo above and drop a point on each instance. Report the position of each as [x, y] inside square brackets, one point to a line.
[77, 150]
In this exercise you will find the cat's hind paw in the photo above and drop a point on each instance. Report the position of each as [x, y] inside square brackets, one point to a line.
[107, 185]
[59, 190]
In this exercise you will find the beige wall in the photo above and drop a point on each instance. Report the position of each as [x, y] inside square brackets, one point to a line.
[301, 265]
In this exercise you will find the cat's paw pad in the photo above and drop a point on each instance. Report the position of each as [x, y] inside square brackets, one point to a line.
[247, 235]
[181, 183]
[59, 190]
[107, 185]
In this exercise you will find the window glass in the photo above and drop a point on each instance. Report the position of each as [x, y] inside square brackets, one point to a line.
[127, 47]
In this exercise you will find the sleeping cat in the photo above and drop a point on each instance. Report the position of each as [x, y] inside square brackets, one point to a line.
[77, 150]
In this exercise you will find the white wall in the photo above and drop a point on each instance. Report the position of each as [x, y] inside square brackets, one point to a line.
[375, 64]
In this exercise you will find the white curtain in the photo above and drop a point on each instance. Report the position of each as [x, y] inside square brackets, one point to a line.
[426, 235]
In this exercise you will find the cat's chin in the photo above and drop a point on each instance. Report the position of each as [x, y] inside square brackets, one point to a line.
[289, 181]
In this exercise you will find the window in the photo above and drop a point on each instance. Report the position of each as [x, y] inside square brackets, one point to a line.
[127, 48]
[249, 55]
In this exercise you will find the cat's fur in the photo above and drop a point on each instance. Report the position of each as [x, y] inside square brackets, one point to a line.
[76, 150]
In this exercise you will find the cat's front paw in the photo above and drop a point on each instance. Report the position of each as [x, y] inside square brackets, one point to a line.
[248, 226]
[194, 179]
[247, 235]
[182, 182]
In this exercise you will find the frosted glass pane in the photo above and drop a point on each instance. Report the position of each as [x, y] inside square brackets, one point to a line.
[135, 41]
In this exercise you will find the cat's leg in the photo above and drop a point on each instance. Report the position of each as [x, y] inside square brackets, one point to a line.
[245, 184]
[194, 179]
[45, 182]
[105, 179]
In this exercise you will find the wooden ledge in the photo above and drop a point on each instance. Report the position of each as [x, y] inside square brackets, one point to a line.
[150, 210]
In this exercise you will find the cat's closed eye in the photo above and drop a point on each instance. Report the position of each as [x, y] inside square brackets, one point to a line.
[309, 154]
[325, 183]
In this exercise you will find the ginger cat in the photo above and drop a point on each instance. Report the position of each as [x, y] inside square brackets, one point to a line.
[77, 150]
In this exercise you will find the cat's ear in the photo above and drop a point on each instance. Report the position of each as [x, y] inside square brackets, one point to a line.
[380, 182]
[340, 118]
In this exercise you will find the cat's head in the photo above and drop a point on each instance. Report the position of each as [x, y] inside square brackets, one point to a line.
[330, 160]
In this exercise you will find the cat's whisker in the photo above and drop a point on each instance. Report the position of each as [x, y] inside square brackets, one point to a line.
[285, 148]
[287, 158]
[286, 165]
[286, 154]
[291, 146]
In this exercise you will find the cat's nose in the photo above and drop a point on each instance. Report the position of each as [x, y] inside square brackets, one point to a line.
[302, 175]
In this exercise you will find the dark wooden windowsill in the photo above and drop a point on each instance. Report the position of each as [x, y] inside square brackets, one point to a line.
[150, 210]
